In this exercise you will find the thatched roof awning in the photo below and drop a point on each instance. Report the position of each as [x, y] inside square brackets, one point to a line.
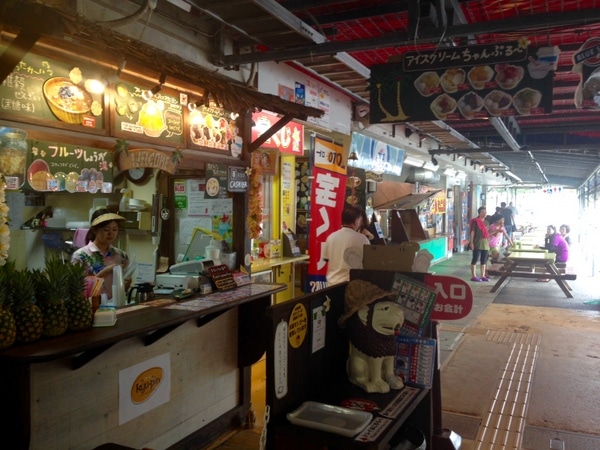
[73, 32]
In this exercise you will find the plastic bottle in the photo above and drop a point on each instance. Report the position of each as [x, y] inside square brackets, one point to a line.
[213, 251]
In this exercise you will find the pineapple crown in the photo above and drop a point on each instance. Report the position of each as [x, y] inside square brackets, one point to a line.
[54, 280]
[76, 281]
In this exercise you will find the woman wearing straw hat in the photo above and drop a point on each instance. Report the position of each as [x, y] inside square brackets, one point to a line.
[100, 256]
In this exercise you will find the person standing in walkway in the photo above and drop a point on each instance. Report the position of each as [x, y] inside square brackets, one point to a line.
[480, 245]
[339, 241]
[509, 219]
[497, 233]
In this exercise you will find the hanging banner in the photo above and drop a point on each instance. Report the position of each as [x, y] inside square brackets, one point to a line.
[586, 62]
[328, 192]
[376, 156]
[456, 83]
[289, 139]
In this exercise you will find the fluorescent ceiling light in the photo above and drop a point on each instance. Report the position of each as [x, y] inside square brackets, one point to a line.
[513, 176]
[413, 161]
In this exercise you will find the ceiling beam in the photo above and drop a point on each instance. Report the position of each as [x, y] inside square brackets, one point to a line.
[427, 36]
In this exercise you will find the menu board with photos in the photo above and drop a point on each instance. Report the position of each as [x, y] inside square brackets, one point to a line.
[42, 90]
[458, 83]
[54, 167]
[137, 114]
[213, 128]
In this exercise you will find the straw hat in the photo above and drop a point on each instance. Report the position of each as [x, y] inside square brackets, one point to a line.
[107, 218]
[360, 293]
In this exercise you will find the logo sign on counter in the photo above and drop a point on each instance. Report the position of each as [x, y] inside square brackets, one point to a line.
[289, 139]
[454, 297]
[144, 386]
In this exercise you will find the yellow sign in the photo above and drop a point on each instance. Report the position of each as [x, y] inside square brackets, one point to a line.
[146, 384]
[298, 326]
[330, 156]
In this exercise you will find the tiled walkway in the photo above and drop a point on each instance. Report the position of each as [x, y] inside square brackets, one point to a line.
[503, 424]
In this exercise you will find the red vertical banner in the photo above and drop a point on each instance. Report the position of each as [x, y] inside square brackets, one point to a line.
[328, 190]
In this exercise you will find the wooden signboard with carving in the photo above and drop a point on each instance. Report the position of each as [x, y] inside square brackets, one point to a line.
[147, 157]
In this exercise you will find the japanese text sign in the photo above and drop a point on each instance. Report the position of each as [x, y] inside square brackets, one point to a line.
[329, 155]
[327, 202]
[454, 297]
[289, 139]
[73, 168]
[460, 83]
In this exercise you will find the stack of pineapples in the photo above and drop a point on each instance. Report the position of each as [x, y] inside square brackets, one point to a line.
[42, 302]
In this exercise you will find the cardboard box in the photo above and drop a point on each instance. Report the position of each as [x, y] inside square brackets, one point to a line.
[406, 226]
[398, 258]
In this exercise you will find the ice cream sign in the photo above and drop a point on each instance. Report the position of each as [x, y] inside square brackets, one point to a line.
[288, 139]
[457, 83]
[586, 62]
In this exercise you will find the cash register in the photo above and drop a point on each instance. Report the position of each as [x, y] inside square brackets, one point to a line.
[185, 275]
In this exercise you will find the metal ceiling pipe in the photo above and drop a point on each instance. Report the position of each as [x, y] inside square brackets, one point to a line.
[419, 175]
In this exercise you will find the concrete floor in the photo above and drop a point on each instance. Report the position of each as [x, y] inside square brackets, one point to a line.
[519, 372]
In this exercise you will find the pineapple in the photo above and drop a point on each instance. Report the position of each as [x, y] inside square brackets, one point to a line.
[52, 291]
[28, 316]
[79, 307]
[8, 329]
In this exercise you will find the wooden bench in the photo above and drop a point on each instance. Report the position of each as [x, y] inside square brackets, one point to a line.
[523, 274]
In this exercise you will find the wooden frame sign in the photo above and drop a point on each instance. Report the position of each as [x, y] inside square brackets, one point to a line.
[147, 157]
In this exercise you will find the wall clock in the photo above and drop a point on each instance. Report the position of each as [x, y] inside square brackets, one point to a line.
[139, 175]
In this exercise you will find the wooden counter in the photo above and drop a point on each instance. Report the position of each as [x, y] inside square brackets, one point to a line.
[63, 392]
[263, 264]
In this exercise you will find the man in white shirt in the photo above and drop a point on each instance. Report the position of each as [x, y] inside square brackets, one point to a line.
[339, 241]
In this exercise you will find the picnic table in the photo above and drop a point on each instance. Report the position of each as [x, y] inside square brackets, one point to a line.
[525, 248]
[532, 265]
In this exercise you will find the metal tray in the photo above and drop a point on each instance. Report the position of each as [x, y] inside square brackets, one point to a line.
[334, 419]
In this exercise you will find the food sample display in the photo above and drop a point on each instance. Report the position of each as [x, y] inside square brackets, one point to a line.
[151, 118]
[480, 75]
[68, 101]
[469, 104]
[451, 79]
[427, 83]
[496, 102]
[526, 99]
[508, 76]
[442, 106]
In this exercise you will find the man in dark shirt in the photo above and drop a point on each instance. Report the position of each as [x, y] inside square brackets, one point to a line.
[509, 219]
